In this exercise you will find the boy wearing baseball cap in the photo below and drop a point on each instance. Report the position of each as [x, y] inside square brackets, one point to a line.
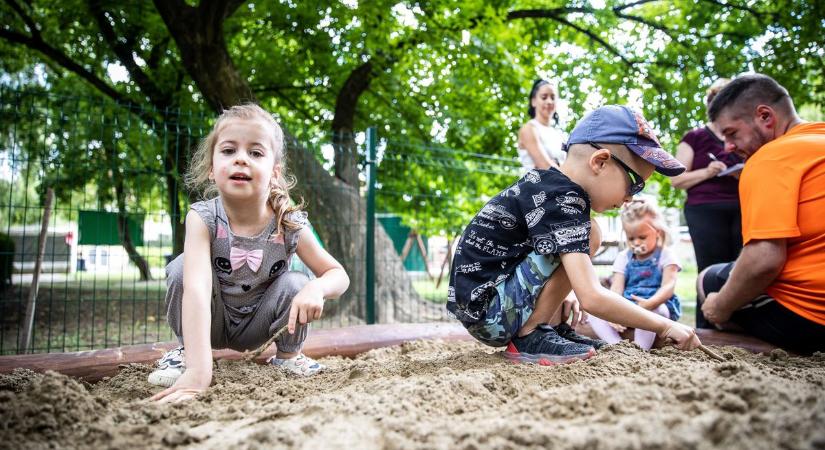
[522, 253]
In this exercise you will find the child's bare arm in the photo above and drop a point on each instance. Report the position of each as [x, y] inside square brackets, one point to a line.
[331, 281]
[196, 313]
[609, 306]
[617, 283]
[665, 291]
[529, 141]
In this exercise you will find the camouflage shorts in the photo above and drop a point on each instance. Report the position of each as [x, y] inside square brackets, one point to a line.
[514, 300]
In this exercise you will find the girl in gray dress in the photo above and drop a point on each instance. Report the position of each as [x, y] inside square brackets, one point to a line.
[231, 287]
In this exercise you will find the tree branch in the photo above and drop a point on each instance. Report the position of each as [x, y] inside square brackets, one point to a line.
[753, 12]
[125, 53]
[301, 110]
[63, 61]
[553, 14]
[33, 28]
[217, 11]
[632, 4]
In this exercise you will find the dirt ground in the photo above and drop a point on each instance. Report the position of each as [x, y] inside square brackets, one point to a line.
[441, 395]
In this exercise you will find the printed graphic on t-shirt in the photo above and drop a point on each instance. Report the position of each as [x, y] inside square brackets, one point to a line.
[469, 268]
[532, 176]
[571, 203]
[539, 198]
[534, 216]
[484, 244]
[484, 223]
[513, 190]
[543, 211]
[498, 213]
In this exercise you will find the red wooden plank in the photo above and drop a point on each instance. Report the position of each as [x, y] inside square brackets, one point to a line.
[350, 341]
[722, 338]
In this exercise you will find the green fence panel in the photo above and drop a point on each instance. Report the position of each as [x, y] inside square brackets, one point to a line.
[101, 156]
[400, 234]
[100, 228]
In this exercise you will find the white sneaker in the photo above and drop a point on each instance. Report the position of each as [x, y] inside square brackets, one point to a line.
[170, 367]
[300, 365]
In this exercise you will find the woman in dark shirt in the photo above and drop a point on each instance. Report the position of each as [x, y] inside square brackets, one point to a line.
[712, 208]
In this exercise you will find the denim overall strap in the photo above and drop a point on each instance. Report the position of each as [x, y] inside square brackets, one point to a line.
[643, 278]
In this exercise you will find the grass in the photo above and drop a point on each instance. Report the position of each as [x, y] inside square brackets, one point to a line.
[103, 310]
[685, 290]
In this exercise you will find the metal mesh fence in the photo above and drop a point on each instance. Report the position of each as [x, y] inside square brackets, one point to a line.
[116, 170]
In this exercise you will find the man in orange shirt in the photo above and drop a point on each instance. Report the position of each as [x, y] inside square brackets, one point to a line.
[775, 290]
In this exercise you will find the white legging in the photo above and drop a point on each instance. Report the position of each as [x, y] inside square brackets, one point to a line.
[642, 338]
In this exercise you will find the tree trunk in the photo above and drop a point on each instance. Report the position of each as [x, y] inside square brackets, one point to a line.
[343, 140]
[174, 165]
[335, 207]
[338, 213]
[122, 217]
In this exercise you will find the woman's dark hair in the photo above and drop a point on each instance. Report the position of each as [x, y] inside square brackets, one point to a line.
[536, 85]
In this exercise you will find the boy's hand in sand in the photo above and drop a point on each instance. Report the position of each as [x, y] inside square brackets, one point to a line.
[307, 306]
[683, 336]
[187, 387]
[570, 306]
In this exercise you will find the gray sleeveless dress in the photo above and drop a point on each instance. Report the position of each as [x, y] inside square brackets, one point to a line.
[250, 297]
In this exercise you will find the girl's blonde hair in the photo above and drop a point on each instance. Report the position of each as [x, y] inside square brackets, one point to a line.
[197, 177]
[645, 210]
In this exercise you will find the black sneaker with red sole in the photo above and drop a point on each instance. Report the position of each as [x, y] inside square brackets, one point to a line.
[545, 347]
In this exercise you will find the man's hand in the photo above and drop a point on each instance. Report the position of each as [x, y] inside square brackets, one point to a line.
[569, 306]
[187, 387]
[307, 306]
[714, 311]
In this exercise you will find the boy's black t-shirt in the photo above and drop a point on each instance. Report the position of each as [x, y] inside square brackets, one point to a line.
[543, 211]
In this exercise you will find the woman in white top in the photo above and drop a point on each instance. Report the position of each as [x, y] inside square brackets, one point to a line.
[539, 143]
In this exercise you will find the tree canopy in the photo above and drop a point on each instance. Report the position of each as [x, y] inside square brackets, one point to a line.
[429, 74]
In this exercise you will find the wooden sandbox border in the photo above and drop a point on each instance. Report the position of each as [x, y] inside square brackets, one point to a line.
[93, 365]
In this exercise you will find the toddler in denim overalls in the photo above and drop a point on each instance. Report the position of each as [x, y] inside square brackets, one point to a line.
[645, 273]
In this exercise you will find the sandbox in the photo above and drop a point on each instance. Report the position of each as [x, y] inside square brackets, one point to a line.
[440, 394]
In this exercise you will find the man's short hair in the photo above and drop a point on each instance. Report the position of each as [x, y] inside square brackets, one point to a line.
[746, 92]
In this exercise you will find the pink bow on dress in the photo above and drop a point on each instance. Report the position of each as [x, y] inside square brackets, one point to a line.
[238, 257]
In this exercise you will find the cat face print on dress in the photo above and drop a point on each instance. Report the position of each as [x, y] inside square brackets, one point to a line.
[223, 265]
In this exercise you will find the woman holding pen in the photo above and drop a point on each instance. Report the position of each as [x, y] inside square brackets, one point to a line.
[712, 207]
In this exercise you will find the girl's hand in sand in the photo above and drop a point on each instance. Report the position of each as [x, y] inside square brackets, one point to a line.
[683, 336]
[187, 387]
[569, 306]
[306, 306]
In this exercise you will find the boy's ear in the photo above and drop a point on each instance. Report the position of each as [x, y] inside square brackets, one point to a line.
[599, 160]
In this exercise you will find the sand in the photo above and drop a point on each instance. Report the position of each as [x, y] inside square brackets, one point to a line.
[441, 395]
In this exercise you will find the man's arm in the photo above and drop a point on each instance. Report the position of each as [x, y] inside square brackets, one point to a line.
[757, 267]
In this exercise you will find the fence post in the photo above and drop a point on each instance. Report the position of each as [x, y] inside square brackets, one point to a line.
[370, 260]
[28, 323]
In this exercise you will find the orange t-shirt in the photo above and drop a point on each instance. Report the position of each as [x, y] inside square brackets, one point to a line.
[782, 193]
